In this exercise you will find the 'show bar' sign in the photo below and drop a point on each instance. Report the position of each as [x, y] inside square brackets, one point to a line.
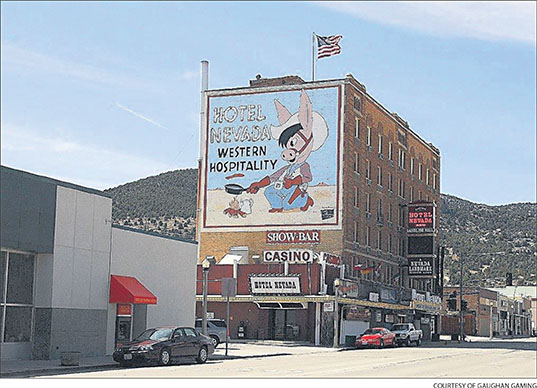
[294, 237]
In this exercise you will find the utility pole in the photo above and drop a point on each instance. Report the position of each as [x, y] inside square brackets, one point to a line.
[460, 304]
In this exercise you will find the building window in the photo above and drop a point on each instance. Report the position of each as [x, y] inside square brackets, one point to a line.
[368, 203]
[428, 177]
[355, 232]
[390, 181]
[390, 151]
[390, 212]
[411, 193]
[356, 162]
[368, 169]
[420, 172]
[401, 247]
[420, 197]
[380, 144]
[367, 235]
[17, 296]
[401, 216]
[357, 103]
[368, 140]
[411, 166]
[379, 210]
[379, 176]
[434, 181]
[357, 127]
[390, 243]
[379, 239]
[402, 158]
[356, 198]
[401, 188]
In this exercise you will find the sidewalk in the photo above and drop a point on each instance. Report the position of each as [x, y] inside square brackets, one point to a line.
[236, 350]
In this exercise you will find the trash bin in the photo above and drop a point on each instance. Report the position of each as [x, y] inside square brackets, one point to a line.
[350, 341]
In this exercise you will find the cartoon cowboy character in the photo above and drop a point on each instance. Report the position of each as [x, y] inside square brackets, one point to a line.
[299, 134]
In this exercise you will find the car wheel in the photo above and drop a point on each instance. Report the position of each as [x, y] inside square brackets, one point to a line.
[418, 342]
[202, 355]
[381, 346]
[407, 342]
[165, 357]
[215, 340]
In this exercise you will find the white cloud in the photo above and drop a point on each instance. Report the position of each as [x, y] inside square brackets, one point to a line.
[23, 59]
[496, 21]
[85, 164]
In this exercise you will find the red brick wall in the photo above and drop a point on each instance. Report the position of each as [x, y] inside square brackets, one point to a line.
[218, 272]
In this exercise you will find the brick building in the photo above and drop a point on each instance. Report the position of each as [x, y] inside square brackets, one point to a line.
[481, 306]
[364, 166]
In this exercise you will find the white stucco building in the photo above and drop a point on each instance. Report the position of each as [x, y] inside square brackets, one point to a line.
[60, 254]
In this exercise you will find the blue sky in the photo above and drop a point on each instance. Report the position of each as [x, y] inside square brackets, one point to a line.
[101, 94]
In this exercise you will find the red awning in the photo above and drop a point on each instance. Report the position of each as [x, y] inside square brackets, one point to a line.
[126, 289]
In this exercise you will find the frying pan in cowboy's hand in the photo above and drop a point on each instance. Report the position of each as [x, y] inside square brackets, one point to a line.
[233, 188]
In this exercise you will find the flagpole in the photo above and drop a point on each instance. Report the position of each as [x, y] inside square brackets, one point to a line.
[313, 57]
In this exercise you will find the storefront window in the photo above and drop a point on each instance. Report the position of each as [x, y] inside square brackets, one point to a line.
[3, 259]
[20, 279]
[18, 325]
[17, 288]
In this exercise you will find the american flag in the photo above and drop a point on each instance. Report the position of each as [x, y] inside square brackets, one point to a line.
[328, 45]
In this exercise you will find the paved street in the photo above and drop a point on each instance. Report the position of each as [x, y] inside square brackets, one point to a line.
[500, 358]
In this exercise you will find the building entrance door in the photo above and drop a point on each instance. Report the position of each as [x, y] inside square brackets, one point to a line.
[283, 325]
[123, 324]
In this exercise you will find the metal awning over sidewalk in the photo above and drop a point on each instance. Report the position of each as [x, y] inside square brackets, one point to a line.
[302, 299]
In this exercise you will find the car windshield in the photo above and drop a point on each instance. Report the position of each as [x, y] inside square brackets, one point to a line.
[399, 327]
[219, 323]
[154, 334]
[372, 331]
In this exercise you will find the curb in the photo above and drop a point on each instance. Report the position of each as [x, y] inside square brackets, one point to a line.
[55, 371]
[82, 369]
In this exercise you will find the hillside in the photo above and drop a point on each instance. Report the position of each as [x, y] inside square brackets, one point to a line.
[492, 240]
[164, 203]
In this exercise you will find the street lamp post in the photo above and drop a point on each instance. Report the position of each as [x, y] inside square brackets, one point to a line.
[206, 264]
[336, 313]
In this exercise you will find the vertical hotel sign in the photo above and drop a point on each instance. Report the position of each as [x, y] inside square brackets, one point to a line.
[272, 159]
[421, 218]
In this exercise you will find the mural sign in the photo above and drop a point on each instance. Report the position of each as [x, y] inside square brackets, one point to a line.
[272, 159]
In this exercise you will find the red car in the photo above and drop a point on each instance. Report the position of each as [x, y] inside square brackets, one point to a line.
[378, 337]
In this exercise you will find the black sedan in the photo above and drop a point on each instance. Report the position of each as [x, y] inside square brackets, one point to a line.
[162, 345]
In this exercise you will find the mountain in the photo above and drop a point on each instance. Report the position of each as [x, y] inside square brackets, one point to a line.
[164, 203]
[491, 240]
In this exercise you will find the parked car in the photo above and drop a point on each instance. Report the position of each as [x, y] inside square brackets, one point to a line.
[376, 337]
[163, 345]
[216, 329]
[406, 333]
